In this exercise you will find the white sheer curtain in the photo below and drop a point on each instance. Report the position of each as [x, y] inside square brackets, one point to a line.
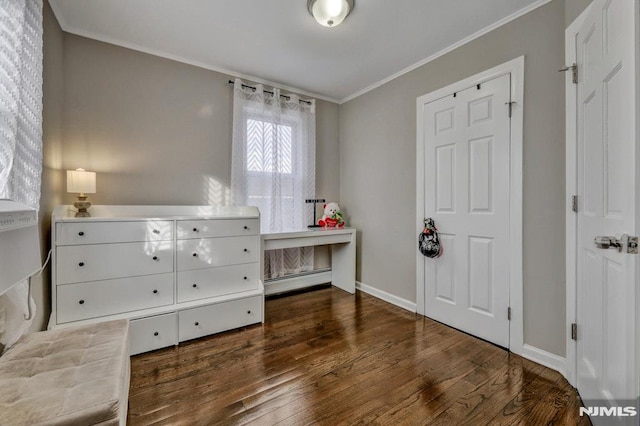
[21, 100]
[273, 167]
[20, 134]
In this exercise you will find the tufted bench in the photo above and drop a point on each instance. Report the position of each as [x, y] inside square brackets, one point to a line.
[69, 376]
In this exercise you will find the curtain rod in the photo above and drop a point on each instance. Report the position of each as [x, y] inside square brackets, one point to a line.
[231, 82]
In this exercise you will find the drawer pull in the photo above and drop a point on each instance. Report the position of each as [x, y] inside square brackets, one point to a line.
[156, 231]
[195, 254]
[155, 291]
[81, 302]
[81, 233]
[246, 227]
[156, 333]
[155, 258]
[195, 285]
[81, 264]
[246, 250]
[246, 278]
[197, 323]
[249, 312]
[195, 229]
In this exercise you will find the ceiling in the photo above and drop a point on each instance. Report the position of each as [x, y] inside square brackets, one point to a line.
[278, 42]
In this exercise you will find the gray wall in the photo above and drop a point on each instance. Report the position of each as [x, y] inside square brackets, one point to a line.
[52, 176]
[378, 167]
[158, 131]
[573, 8]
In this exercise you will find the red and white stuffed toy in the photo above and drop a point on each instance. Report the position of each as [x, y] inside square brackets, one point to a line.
[332, 217]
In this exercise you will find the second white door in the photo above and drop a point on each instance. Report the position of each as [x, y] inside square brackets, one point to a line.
[467, 169]
[607, 321]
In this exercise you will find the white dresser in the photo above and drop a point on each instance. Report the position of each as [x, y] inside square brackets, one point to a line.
[177, 272]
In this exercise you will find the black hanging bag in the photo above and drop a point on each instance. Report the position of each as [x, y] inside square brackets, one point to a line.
[428, 241]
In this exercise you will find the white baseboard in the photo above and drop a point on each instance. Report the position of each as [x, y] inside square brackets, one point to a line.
[297, 282]
[553, 361]
[387, 297]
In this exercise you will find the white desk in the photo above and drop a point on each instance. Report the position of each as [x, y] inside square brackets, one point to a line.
[343, 251]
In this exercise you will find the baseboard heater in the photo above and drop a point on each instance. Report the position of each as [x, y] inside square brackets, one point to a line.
[297, 281]
[19, 243]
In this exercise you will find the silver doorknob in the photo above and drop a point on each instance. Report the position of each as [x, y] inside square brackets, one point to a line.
[605, 242]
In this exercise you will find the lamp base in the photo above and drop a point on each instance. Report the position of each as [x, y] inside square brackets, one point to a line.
[82, 205]
[314, 201]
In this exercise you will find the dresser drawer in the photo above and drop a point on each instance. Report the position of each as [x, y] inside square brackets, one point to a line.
[198, 322]
[105, 261]
[99, 298]
[187, 229]
[211, 282]
[113, 232]
[213, 252]
[148, 334]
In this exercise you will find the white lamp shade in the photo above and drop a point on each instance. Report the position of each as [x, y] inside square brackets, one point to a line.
[80, 181]
[330, 12]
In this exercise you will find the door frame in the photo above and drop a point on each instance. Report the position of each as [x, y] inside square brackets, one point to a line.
[571, 224]
[515, 67]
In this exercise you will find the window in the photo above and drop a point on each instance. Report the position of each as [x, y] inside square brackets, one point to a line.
[273, 166]
[266, 153]
[270, 158]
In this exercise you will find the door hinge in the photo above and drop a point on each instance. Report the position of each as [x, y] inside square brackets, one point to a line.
[574, 72]
[574, 331]
[510, 104]
[574, 203]
[509, 313]
[632, 245]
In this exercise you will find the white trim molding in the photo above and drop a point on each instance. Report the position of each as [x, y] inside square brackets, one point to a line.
[571, 221]
[67, 28]
[448, 49]
[515, 68]
[553, 361]
[132, 46]
[387, 297]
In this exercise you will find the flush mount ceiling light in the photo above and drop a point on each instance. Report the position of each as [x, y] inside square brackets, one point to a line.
[330, 13]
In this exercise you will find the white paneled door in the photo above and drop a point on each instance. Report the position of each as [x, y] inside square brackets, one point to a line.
[466, 140]
[607, 188]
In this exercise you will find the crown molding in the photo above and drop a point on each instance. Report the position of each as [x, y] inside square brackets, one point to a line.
[448, 49]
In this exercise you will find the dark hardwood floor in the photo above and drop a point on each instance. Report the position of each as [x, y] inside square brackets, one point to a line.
[328, 357]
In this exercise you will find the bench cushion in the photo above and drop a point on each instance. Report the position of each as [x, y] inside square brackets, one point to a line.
[76, 375]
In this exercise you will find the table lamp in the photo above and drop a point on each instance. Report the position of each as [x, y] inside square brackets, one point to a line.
[81, 182]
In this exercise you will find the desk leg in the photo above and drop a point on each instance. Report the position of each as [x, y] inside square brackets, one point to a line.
[343, 265]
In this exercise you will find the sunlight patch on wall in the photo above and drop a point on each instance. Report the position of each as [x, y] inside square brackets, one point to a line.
[216, 193]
